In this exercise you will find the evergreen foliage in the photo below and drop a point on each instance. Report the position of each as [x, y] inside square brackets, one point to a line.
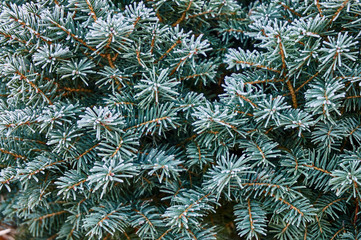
[184, 119]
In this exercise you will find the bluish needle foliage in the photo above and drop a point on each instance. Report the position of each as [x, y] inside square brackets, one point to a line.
[184, 119]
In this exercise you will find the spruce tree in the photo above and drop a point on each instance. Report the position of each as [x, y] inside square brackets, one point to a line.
[184, 119]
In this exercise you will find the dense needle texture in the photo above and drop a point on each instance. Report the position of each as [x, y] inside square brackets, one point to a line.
[184, 119]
